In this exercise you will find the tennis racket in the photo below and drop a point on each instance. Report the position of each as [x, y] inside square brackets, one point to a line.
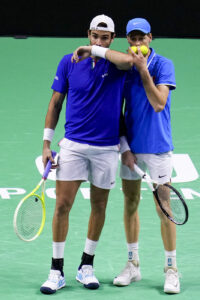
[30, 214]
[169, 199]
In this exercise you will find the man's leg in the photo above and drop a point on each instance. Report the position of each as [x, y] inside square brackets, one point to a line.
[168, 233]
[131, 272]
[98, 199]
[65, 195]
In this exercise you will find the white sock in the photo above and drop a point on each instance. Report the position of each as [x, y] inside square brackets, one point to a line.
[133, 251]
[90, 246]
[170, 259]
[58, 249]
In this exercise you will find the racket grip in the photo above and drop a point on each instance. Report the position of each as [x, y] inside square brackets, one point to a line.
[138, 171]
[48, 166]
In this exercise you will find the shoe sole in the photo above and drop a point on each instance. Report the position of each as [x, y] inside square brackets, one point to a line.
[48, 291]
[90, 286]
[172, 292]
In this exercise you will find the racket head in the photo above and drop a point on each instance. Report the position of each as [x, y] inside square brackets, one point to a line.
[29, 217]
[171, 203]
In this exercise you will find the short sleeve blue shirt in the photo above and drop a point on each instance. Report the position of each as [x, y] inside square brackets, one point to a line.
[94, 100]
[149, 131]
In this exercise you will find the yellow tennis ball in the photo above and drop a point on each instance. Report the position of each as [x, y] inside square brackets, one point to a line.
[134, 49]
[144, 49]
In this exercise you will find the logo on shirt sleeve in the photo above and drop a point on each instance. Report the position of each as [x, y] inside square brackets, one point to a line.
[56, 77]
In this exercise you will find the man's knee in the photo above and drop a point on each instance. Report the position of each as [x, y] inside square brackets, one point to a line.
[162, 216]
[63, 205]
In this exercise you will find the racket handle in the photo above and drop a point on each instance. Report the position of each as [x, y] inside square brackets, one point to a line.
[48, 166]
[138, 171]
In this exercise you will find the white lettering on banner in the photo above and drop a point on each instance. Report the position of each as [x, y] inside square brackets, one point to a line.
[51, 193]
[6, 192]
[184, 168]
[85, 192]
[189, 193]
[182, 164]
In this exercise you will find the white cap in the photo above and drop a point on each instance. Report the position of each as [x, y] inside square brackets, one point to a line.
[102, 19]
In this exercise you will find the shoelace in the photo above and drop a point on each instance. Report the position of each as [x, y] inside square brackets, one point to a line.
[126, 270]
[53, 277]
[88, 271]
[172, 277]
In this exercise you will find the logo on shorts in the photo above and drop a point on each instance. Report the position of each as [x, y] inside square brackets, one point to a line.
[161, 176]
[113, 182]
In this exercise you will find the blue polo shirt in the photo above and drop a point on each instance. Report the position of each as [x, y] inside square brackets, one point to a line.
[94, 100]
[149, 131]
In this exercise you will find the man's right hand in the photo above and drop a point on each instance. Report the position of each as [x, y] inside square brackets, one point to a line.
[47, 155]
[129, 159]
[81, 53]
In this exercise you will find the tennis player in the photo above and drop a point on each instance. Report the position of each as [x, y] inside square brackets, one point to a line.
[148, 123]
[89, 149]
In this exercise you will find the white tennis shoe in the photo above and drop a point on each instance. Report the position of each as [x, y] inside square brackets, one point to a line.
[54, 282]
[86, 276]
[129, 274]
[172, 283]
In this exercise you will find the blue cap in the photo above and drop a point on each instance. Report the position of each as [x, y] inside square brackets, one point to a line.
[139, 24]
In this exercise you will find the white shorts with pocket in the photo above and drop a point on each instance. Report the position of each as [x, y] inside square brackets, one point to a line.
[86, 162]
[158, 165]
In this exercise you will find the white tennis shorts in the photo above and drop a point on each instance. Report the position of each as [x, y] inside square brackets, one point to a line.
[158, 165]
[86, 162]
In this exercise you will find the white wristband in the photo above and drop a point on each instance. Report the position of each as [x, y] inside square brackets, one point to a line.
[99, 51]
[48, 134]
[124, 145]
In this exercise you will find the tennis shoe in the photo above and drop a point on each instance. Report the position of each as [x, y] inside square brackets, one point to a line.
[54, 282]
[129, 274]
[86, 276]
[172, 283]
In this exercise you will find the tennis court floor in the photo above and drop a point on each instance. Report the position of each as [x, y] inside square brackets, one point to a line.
[27, 71]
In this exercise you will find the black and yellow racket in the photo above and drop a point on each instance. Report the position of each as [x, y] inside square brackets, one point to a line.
[30, 214]
[169, 199]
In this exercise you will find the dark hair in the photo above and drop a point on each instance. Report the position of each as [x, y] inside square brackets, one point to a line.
[102, 24]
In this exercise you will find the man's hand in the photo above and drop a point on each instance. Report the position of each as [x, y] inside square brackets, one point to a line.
[129, 159]
[47, 155]
[81, 53]
[139, 60]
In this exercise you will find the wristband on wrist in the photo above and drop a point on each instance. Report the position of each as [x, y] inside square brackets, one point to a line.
[48, 134]
[99, 51]
[124, 145]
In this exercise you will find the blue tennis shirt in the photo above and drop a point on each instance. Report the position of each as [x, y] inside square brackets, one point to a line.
[149, 131]
[94, 100]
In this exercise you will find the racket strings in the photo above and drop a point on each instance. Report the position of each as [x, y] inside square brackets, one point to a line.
[171, 203]
[29, 217]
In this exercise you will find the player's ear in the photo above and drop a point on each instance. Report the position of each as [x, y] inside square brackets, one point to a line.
[89, 33]
[128, 38]
[150, 36]
[113, 35]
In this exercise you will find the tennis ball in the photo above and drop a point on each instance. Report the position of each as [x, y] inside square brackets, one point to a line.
[134, 49]
[144, 50]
